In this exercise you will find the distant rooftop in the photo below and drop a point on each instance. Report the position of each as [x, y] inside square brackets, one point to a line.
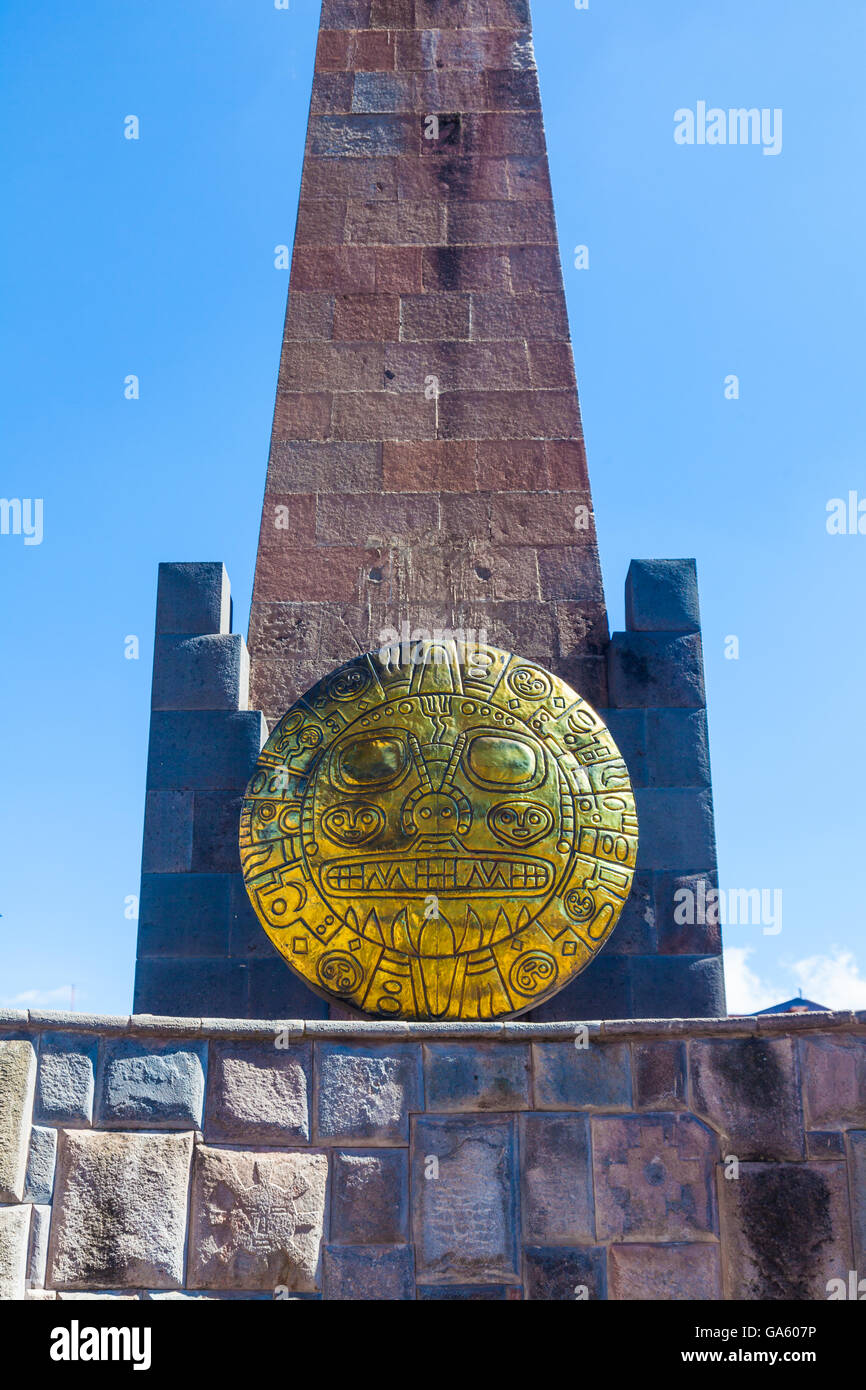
[797, 1006]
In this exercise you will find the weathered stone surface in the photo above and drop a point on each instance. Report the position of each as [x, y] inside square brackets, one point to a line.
[565, 1274]
[370, 1197]
[41, 1158]
[365, 1094]
[575, 1078]
[834, 1081]
[647, 670]
[258, 1093]
[37, 1251]
[469, 1293]
[857, 1184]
[654, 1178]
[257, 1219]
[557, 1179]
[380, 1272]
[210, 672]
[120, 1210]
[150, 1085]
[464, 1182]
[661, 1272]
[193, 599]
[64, 1086]
[747, 1088]
[17, 1079]
[14, 1230]
[825, 1144]
[460, 1076]
[660, 1075]
[662, 596]
[677, 986]
[785, 1230]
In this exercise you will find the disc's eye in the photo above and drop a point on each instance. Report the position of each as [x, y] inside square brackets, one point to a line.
[499, 763]
[372, 762]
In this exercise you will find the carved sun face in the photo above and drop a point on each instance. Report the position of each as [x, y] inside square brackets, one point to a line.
[435, 842]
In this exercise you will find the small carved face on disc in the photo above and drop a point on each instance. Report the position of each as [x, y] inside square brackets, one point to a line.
[449, 839]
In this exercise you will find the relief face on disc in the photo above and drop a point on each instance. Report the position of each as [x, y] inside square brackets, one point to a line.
[453, 837]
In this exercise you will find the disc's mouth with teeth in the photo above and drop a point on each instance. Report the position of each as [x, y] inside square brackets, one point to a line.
[444, 875]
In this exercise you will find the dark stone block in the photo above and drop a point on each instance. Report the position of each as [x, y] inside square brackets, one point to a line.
[676, 829]
[168, 818]
[648, 669]
[677, 986]
[602, 990]
[193, 673]
[662, 596]
[193, 599]
[557, 1178]
[686, 917]
[470, 1076]
[748, 1088]
[275, 991]
[216, 825]
[247, 936]
[577, 1078]
[203, 750]
[629, 730]
[564, 1274]
[184, 915]
[475, 1293]
[635, 932]
[659, 1075]
[370, 1197]
[678, 749]
[825, 1144]
[381, 1272]
[191, 988]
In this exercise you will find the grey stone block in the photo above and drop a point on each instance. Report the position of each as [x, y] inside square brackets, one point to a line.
[649, 669]
[65, 1082]
[168, 819]
[748, 1089]
[275, 991]
[203, 750]
[577, 1078]
[258, 1093]
[184, 915]
[465, 1194]
[151, 1085]
[119, 1211]
[193, 599]
[365, 1094]
[469, 1293]
[383, 1273]
[629, 730]
[857, 1184]
[191, 988]
[557, 1179]
[489, 1076]
[216, 825]
[14, 1233]
[677, 830]
[201, 673]
[560, 1274]
[39, 1182]
[678, 986]
[662, 596]
[256, 1219]
[17, 1079]
[370, 1197]
[678, 748]
[37, 1250]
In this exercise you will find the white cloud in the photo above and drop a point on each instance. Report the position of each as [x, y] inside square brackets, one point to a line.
[40, 998]
[833, 980]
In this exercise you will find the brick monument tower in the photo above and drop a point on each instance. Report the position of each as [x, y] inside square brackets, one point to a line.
[427, 473]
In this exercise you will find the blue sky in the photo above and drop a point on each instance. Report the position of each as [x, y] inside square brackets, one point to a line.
[155, 257]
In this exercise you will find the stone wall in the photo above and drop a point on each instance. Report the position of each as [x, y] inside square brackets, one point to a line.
[151, 1157]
